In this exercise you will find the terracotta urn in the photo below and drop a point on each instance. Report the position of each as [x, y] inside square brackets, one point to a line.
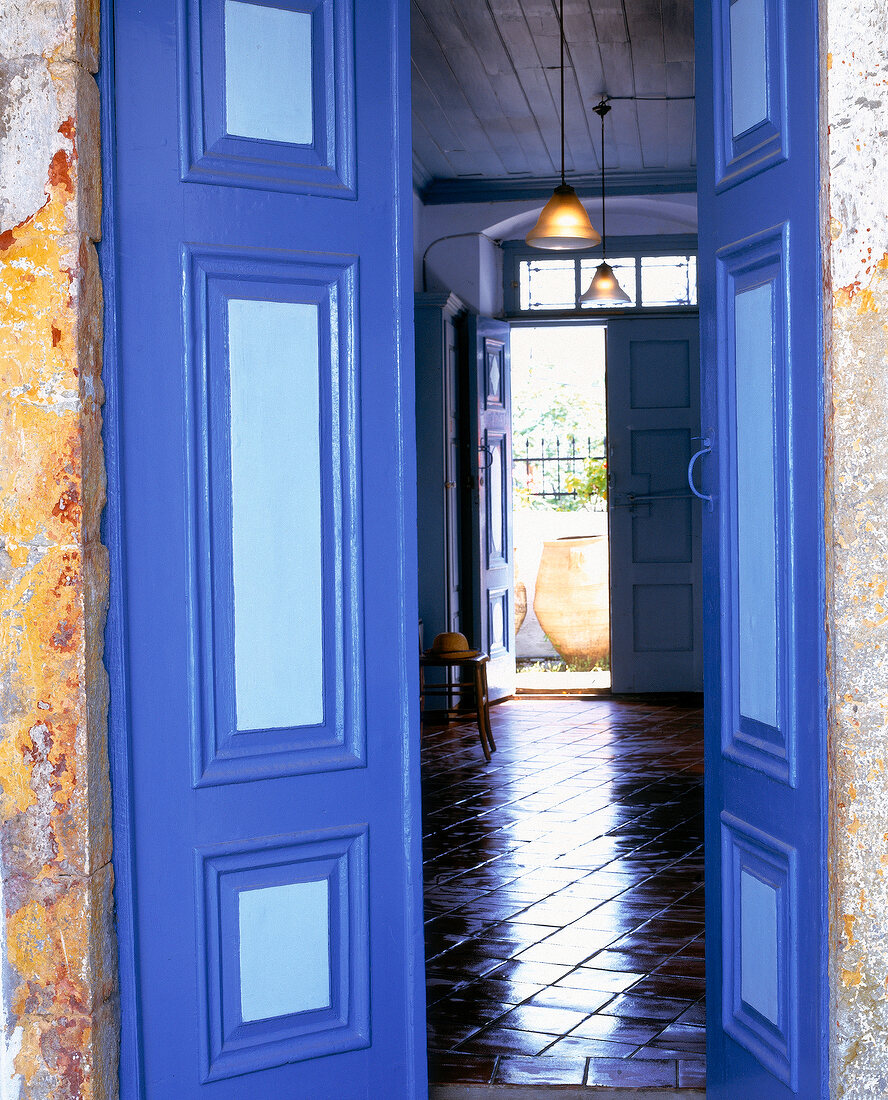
[520, 593]
[520, 604]
[572, 598]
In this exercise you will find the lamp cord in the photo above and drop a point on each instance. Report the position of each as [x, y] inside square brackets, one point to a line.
[453, 237]
[602, 109]
[603, 215]
[561, 31]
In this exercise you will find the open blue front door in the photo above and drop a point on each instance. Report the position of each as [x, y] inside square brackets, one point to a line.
[653, 427]
[760, 305]
[492, 552]
[262, 190]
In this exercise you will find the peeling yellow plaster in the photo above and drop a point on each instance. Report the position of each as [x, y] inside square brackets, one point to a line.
[55, 838]
[855, 230]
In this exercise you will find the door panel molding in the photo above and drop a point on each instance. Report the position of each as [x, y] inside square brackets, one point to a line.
[765, 143]
[338, 858]
[497, 487]
[766, 971]
[209, 154]
[223, 753]
[759, 260]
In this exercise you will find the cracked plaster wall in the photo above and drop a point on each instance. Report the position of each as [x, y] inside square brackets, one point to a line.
[57, 948]
[856, 250]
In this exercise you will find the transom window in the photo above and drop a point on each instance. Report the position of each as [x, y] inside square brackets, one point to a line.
[657, 273]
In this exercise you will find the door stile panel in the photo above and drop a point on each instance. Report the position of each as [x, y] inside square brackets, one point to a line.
[758, 194]
[367, 785]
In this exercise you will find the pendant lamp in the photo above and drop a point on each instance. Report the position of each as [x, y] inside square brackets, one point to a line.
[604, 286]
[563, 223]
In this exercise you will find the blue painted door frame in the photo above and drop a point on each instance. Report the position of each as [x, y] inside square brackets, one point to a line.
[762, 414]
[245, 837]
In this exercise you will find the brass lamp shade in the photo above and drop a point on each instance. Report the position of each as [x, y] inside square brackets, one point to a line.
[604, 287]
[563, 223]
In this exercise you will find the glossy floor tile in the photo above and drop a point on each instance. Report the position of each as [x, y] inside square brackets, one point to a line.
[564, 895]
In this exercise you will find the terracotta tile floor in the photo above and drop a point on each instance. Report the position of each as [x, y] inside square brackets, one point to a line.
[564, 895]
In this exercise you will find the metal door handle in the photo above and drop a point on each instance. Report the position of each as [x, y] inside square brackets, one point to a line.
[489, 453]
[704, 450]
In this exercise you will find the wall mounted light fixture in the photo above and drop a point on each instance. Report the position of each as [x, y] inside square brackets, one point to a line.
[563, 223]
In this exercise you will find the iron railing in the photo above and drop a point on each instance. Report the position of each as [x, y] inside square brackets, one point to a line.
[541, 469]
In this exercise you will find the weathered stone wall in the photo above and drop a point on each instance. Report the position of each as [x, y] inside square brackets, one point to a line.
[57, 950]
[856, 83]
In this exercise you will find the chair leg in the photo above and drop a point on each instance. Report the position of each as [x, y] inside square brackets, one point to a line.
[490, 740]
[480, 699]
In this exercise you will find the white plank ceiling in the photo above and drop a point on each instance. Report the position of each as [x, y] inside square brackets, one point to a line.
[486, 88]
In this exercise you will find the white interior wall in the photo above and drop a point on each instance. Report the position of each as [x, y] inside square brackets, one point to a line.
[471, 266]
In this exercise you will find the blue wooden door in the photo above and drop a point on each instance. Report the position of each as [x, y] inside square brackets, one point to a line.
[261, 189]
[492, 553]
[653, 428]
[760, 304]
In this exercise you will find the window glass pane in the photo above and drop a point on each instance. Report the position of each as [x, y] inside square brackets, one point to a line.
[624, 269]
[547, 284]
[668, 280]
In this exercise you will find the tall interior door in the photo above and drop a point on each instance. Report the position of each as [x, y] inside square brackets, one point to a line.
[653, 428]
[760, 305]
[262, 193]
[490, 459]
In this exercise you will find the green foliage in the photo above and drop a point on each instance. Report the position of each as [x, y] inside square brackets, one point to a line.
[558, 664]
[558, 412]
[591, 484]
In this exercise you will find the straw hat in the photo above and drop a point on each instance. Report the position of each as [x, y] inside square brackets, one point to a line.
[452, 644]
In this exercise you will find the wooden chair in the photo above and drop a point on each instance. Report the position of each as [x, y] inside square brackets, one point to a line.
[476, 666]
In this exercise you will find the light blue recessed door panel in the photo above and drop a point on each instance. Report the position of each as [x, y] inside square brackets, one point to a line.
[260, 423]
[284, 949]
[276, 513]
[749, 64]
[762, 415]
[268, 73]
[756, 496]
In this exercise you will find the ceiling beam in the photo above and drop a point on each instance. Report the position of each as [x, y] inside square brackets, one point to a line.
[648, 182]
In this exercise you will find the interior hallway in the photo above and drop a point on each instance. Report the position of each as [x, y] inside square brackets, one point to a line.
[564, 895]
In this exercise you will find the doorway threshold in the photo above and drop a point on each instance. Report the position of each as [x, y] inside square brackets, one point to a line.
[560, 693]
[569, 682]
